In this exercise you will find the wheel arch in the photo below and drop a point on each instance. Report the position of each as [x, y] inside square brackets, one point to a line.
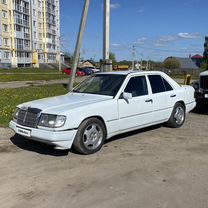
[99, 118]
[181, 102]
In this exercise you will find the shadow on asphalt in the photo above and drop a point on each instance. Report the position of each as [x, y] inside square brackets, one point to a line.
[201, 107]
[44, 149]
[37, 147]
[133, 133]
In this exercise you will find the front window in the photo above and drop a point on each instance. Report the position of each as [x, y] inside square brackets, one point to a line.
[101, 84]
[137, 86]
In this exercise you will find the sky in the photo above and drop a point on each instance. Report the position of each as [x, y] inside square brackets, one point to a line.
[157, 28]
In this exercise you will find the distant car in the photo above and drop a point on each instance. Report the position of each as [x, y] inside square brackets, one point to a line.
[87, 71]
[68, 72]
[102, 106]
[95, 70]
[80, 73]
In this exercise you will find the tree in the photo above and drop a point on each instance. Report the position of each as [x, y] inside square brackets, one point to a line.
[171, 63]
[112, 57]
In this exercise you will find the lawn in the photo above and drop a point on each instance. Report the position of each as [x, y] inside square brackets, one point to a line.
[28, 70]
[30, 77]
[29, 74]
[9, 98]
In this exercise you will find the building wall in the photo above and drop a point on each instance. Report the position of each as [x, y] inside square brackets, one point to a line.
[5, 42]
[30, 32]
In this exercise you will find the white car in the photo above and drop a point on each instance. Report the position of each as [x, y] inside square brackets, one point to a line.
[104, 105]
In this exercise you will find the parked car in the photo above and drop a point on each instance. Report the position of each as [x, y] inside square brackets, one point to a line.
[102, 106]
[87, 71]
[80, 73]
[68, 72]
[95, 70]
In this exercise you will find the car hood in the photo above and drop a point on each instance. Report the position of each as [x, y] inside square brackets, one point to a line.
[63, 103]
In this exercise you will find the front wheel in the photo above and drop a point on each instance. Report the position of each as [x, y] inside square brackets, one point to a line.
[177, 117]
[90, 136]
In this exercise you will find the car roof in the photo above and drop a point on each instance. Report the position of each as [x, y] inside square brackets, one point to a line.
[127, 72]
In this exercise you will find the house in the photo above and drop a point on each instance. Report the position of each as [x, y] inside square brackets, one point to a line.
[187, 65]
[87, 64]
[197, 59]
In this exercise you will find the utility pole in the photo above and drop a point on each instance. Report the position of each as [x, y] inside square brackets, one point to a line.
[79, 43]
[133, 56]
[107, 64]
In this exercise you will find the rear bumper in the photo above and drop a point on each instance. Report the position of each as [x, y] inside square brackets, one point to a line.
[190, 106]
[60, 139]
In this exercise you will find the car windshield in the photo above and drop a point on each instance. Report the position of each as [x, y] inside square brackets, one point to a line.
[101, 84]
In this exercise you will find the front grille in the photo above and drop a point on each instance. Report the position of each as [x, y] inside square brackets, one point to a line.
[204, 82]
[28, 117]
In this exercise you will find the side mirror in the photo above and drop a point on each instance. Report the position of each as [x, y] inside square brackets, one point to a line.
[127, 95]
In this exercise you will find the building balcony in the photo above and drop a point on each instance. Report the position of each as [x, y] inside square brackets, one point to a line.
[25, 10]
[24, 60]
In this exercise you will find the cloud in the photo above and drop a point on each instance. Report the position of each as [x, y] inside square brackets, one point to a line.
[161, 41]
[115, 44]
[115, 6]
[140, 11]
[141, 41]
[167, 38]
[189, 35]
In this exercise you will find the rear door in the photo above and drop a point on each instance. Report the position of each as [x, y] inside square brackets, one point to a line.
[163, 96]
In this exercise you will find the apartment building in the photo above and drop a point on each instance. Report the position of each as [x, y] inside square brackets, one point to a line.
[29, 32]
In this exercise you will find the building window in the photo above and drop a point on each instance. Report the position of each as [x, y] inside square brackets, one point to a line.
[19, 44]
[35, 35]
[6, 55]
[18, 28]
[4, 14]
[4, 1]
[34, 23]
[34, 12]
[39, 14]
[6, 41]
[5, 28]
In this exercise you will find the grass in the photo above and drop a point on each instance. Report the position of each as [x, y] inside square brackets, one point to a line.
[28, 70]
[30, 77]
[10, 98]
[30, 74]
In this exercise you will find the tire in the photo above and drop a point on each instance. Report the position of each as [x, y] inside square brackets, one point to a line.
[177, 117]
[90, 136]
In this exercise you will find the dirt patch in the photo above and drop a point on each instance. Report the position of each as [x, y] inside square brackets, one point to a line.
[154, 167]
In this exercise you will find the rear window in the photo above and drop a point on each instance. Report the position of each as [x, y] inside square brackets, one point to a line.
[159, 84]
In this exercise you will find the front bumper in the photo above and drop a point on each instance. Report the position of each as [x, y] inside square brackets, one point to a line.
[60, 139]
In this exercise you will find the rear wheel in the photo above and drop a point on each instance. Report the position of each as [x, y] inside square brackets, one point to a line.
[90, 136]
[177, 117]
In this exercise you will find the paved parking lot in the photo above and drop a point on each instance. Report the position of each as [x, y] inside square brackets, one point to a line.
[155, 167]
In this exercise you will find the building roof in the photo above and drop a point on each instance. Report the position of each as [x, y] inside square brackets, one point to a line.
[197, 56]
[185, 63]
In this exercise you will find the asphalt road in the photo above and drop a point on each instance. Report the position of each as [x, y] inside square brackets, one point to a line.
[19, 84]
[156, 167]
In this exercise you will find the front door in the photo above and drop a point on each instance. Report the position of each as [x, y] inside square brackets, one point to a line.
[137, 111]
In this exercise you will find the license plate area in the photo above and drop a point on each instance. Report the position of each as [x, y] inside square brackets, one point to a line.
[24, 132]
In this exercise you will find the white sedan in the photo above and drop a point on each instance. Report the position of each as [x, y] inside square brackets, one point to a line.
[104, 105]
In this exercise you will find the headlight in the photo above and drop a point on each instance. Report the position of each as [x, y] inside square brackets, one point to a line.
[15, 114]
[52, 121]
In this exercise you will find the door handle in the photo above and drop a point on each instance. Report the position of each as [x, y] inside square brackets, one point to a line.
[173, 95]
[149, 100]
